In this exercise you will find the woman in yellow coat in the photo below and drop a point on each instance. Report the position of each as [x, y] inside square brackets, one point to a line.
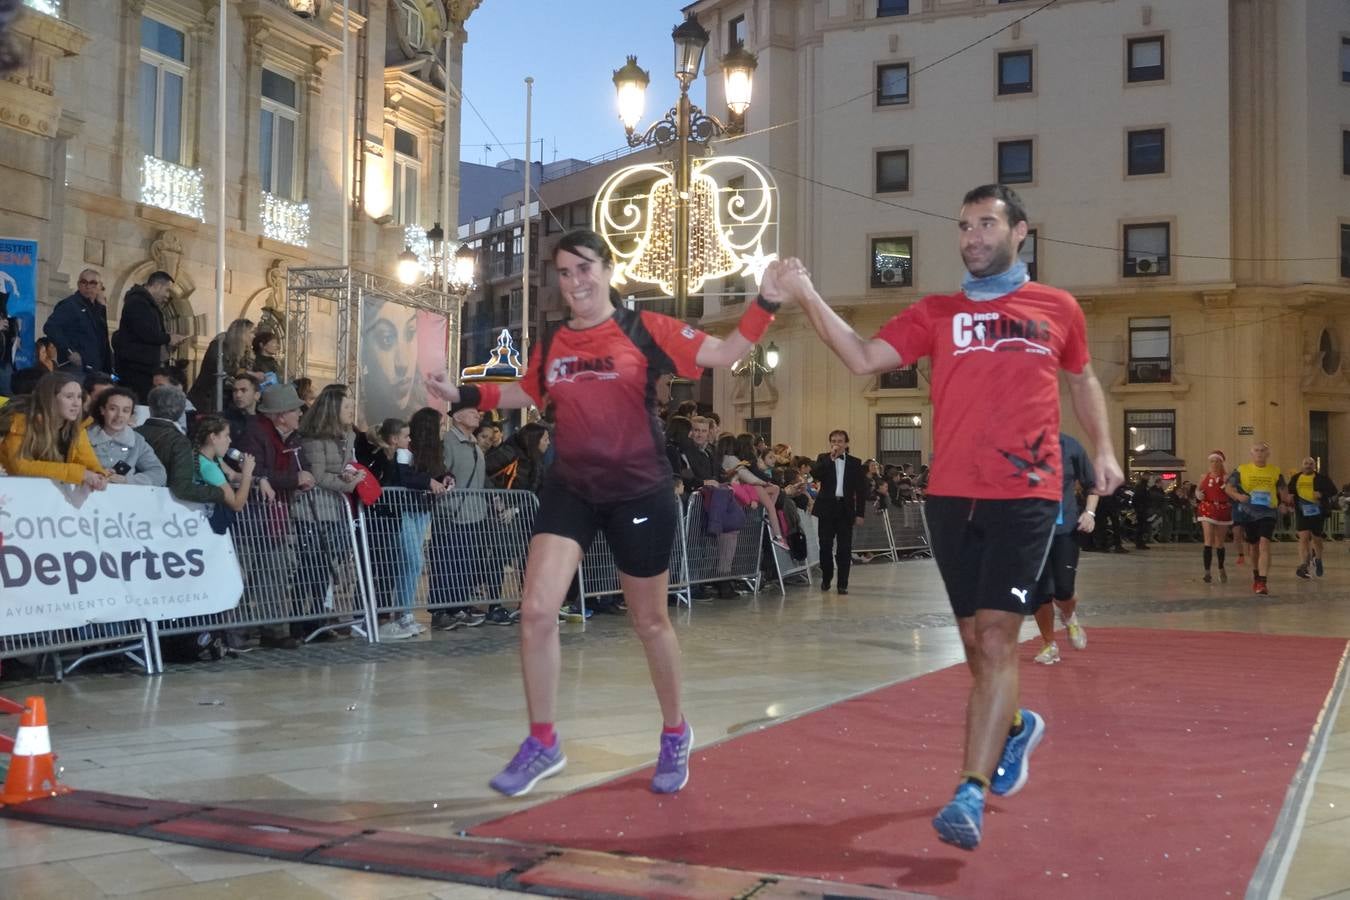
[43, 437]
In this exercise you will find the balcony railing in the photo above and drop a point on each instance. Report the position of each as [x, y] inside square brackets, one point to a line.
[285, 220]
[173, 187]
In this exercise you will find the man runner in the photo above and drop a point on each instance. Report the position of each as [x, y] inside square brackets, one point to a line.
[1258, 488]
[1310, 491]
[997, 347]
[1057, 588]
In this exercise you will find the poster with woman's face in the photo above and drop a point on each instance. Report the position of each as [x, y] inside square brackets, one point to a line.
[400, 346]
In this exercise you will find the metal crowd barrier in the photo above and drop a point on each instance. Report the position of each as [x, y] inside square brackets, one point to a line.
[788, 568]
[436, 552]
[599, 576]
[299, 562]
[734, 556]
[874, 534]
[131, 639]
[909, 529]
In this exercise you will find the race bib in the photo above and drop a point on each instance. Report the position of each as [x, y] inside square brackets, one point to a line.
[1309, 509]
[1262, 498]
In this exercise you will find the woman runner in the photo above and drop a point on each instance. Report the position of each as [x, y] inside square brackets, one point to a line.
[1215, 512]
[610, 474]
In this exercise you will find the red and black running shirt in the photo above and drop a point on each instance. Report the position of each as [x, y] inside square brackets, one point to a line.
[609, 445]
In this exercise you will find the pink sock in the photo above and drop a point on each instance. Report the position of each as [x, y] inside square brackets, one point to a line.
[678, 729]
[543, 733]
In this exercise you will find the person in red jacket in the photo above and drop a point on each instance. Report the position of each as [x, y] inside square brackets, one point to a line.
[1214, 510]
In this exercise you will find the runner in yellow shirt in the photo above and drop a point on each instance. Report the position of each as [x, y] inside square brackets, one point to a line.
[1258, 488]
[1310, 491]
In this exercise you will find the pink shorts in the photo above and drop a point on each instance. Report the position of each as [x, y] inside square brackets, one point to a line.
[745, 493]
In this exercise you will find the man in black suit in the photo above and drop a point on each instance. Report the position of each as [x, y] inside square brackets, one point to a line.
[839, 507]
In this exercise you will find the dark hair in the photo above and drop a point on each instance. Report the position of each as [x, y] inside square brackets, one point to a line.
[839, 431]
[745, 447]
[390, 427]
[717, 420]
[527, 438]
[302, 385]
[1016, 210]
[157, 277]
[205, 427]
[799, 461]
[725, 446]
[584, 238]
[102, 402]
[170, 372]
[44, 342]
[251, 378]
[687, 408]
[260, 340]
[678, 429]
[96, 379]
[425, 442]
[486, 426]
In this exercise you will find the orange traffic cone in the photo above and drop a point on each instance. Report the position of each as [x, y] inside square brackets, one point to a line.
[32, 767]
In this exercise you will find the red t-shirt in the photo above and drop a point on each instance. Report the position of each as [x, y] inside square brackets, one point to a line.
[609, 445]
[995, 387]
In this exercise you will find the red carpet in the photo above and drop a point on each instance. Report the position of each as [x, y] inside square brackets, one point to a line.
[1167, 757]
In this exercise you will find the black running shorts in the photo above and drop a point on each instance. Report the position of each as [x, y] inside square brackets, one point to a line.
[1061, 569]
[990, 552]
[1259, 528]
[640, 531]
[1315, 524]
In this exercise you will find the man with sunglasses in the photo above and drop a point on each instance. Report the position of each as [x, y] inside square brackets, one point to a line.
[79, 326]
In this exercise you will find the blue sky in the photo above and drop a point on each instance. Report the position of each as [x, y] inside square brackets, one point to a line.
[571, 50]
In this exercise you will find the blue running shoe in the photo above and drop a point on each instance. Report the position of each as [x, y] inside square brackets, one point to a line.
[1015, 766]
[672, 766]
[532, 763]
[960, 822]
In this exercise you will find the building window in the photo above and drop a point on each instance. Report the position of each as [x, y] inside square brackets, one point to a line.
[1027, 253]
[1345, 251]
[278, 133]
[1146, 151]
[1014, 162]
[736, 33]
[1345, 152]
[761, 426]
[1147, 250]
[892, 262]
[1345, 60]
[414, 25]
[892, 171]
[892, 8]
[1144, 59]
[903, 379]
[1014, 72]
[1151, 351]
[164, 73]
[900, 439]
[893, 84]
[1149, 429]
[407, 178]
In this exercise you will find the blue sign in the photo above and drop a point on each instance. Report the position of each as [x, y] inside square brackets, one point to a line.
[18, 282]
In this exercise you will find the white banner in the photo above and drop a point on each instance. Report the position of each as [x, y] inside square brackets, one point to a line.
[69, 556]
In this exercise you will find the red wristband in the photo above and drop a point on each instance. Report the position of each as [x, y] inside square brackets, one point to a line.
[754, 323]
[489, 395]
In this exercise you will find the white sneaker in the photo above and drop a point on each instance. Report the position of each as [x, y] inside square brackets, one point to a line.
[1049, 655]
[1077, 633]
[394, 631]
[411, 625]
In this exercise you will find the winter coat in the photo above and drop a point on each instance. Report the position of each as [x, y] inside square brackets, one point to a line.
[81, 325]
[721, 513]
[180, 462]
[141, 343]
[277, 460]
[464, 460]
[79, 458]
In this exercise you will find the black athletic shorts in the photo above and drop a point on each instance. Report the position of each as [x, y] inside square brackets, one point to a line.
[1315, 524]
[1259, 528]
[1061, 569]
[990, 552]
[640, 531]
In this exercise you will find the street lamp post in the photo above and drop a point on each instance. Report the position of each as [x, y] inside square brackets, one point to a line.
[762, 361]
[685, 124]
[447, 269]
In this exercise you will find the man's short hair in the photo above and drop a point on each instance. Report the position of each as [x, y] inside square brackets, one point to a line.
[839, 431]
[250, 378]
[172, 373]
[44, 342]
[714, 418]
[158, 277]
[96, 379]
[1016, 209]
[167, 402]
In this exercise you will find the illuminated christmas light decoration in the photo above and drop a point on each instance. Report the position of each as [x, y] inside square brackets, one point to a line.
[285, 220]
[173, 187]
[504, 363]
[50, 7]
[732, 224]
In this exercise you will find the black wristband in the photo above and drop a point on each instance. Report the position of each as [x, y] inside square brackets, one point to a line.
[470, 395]
[768, 305]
